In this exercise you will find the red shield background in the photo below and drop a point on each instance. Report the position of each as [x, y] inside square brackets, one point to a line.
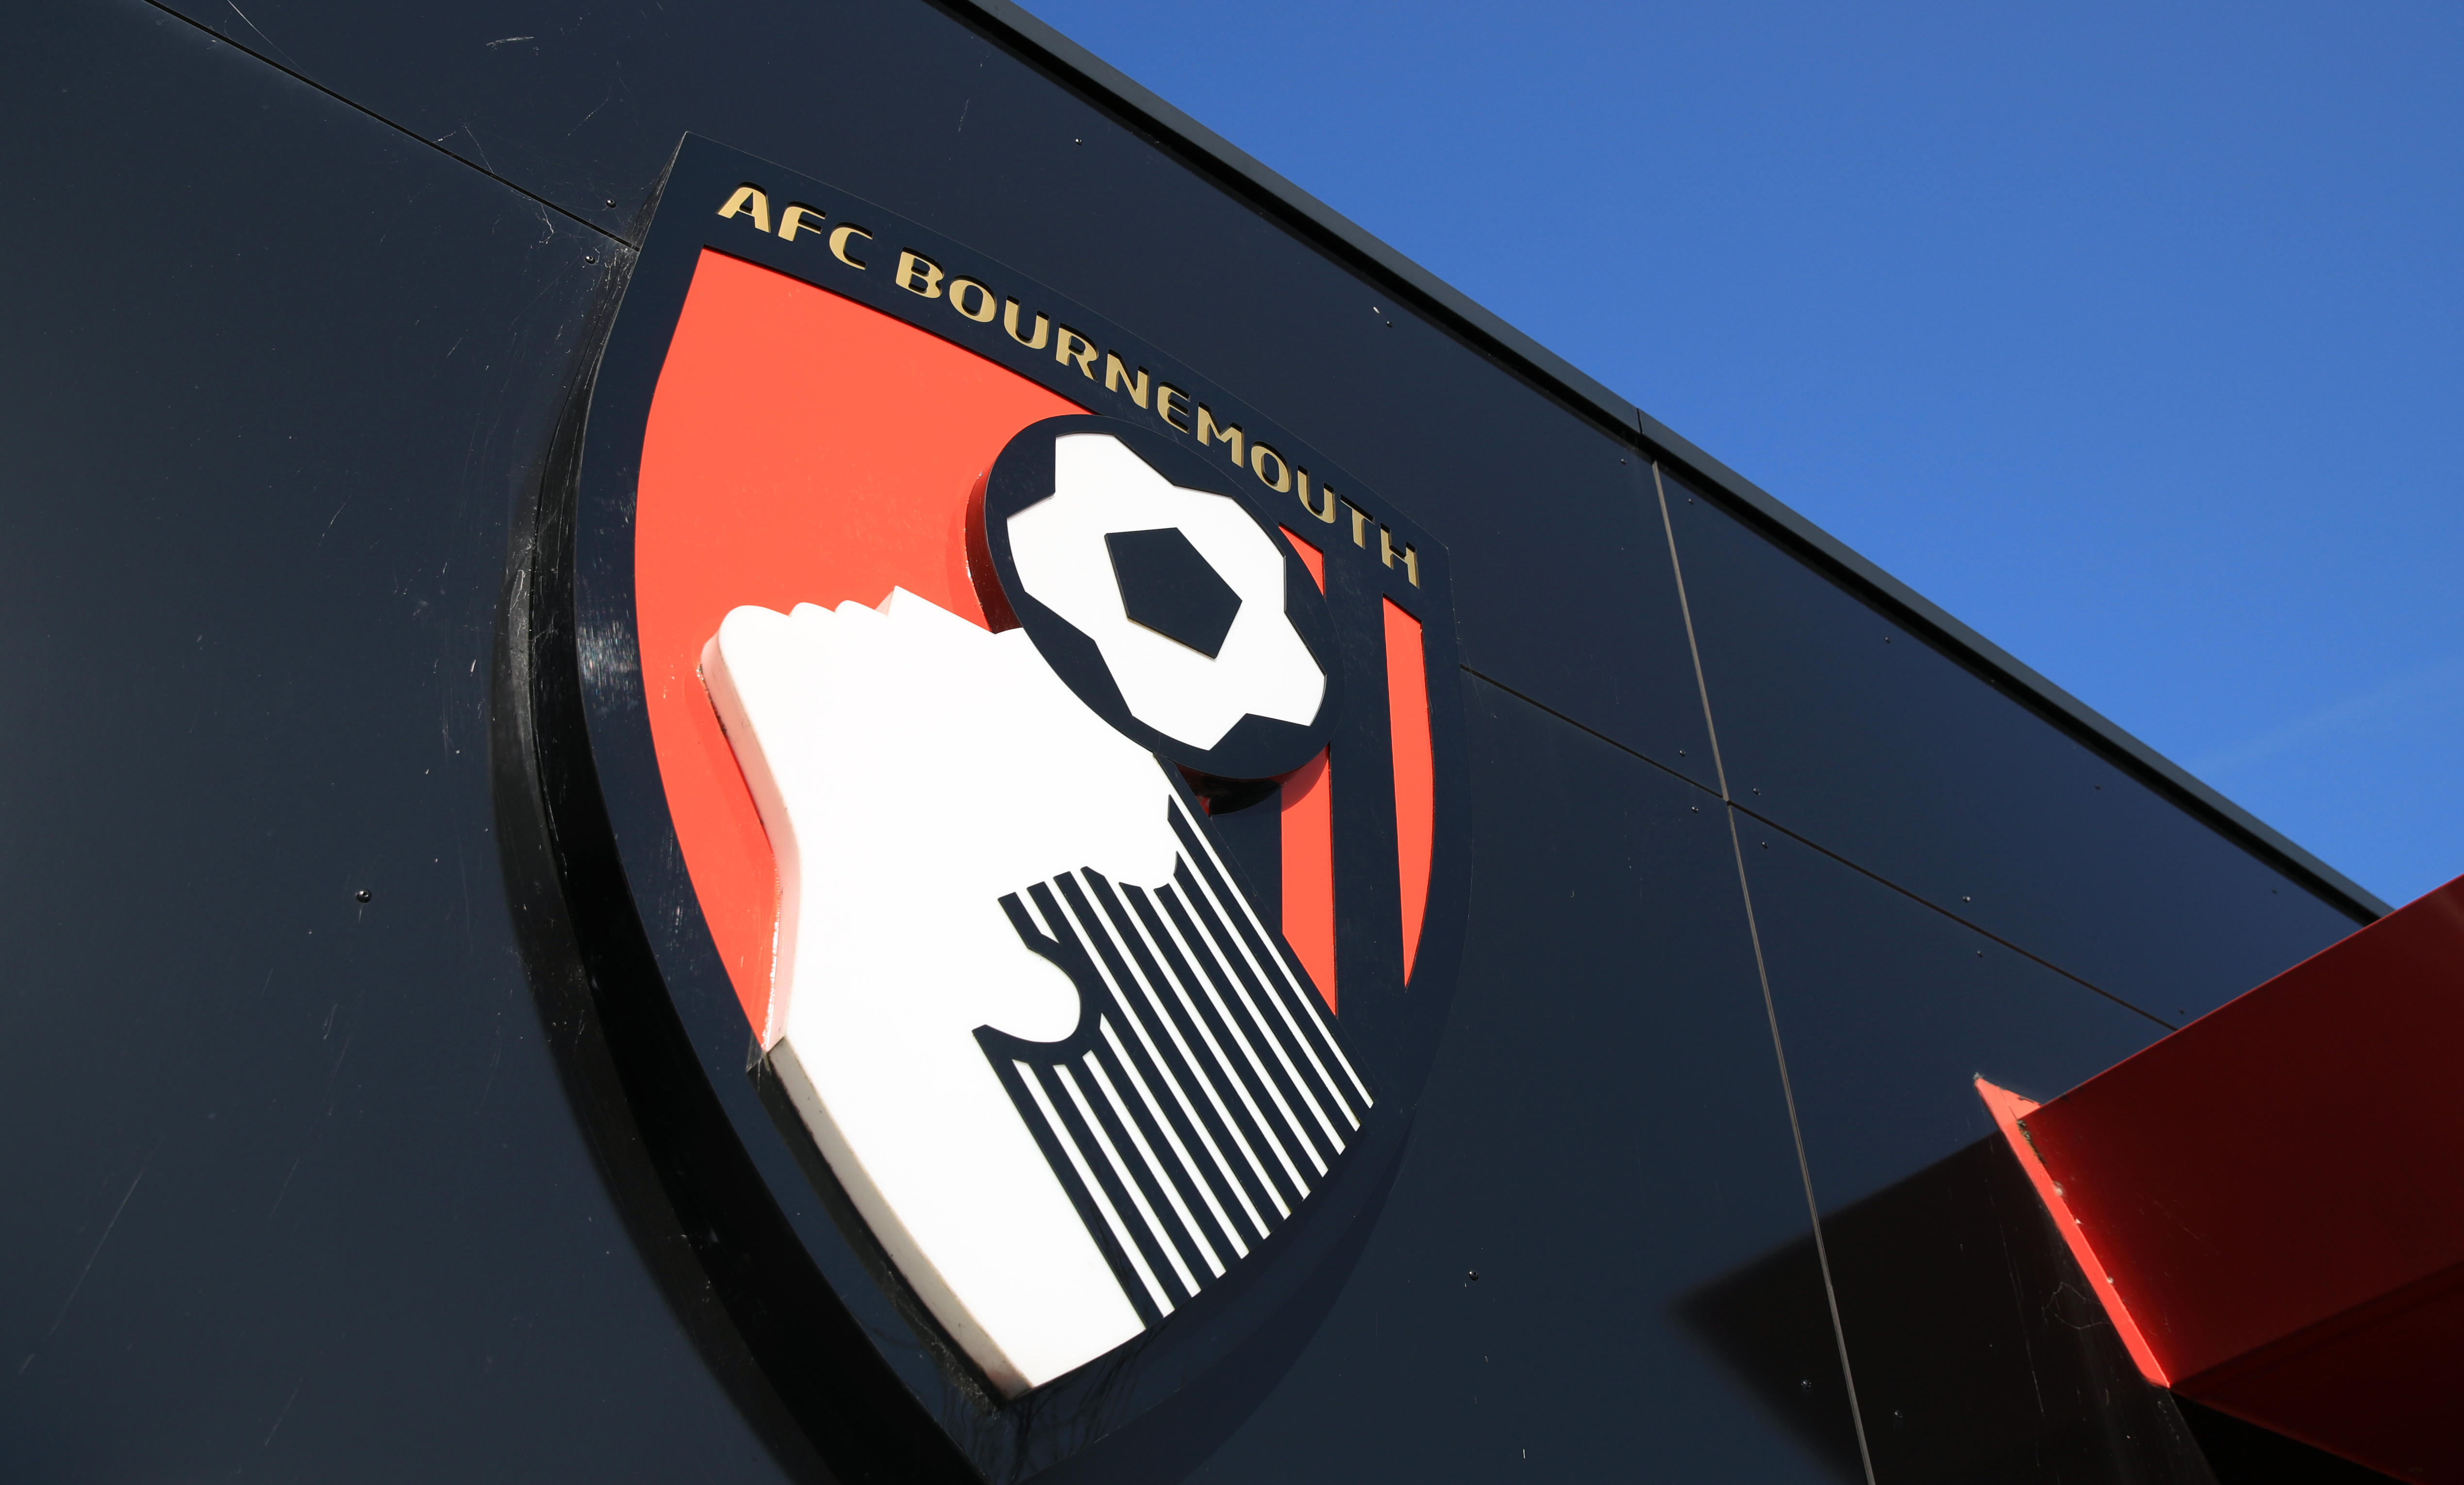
[805, 448]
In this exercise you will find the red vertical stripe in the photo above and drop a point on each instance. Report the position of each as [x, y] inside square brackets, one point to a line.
[1310, 557]
[1407, 712]
[1308, 874]
[1308, 843]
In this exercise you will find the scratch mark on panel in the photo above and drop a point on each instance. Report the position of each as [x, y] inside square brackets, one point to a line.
[286, 1410]
[91, 1256]
[261, 35]
[285, 1192]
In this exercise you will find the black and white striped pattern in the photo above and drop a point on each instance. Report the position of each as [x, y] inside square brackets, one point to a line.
[1205, 1092]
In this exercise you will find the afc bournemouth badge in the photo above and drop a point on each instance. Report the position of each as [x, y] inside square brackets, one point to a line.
[1002, 789]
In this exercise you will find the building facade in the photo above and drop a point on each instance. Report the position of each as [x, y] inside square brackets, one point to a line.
[364, 1121]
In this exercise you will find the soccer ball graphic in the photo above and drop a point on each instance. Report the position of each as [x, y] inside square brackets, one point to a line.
[1180, 591]
[1058, 1060]
[1174, 611]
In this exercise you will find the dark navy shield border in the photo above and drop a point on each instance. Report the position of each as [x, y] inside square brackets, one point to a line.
[850, 1355]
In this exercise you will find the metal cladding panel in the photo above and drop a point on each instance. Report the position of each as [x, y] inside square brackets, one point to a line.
[294, 1190]
[1949, 1283]
[1841, 727]
[1603, 1137]
[1979, 1353]
[1888, 1005]
[317, 1184]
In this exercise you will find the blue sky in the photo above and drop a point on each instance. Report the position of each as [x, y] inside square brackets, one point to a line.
[2132, 335]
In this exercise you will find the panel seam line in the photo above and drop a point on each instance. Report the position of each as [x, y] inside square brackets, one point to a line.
[1762, 974]
[1931, 906]
[1528, 700]
[1812, 844]
[304, 80]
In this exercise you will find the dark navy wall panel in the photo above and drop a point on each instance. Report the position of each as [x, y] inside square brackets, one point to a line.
[292, 1189]
[1604, 1134]
[1839, 725]
[1975, 1352]
[1560, 569]
[1890, 1010]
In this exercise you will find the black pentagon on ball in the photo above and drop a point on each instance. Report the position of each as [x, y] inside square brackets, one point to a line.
[1167, 586]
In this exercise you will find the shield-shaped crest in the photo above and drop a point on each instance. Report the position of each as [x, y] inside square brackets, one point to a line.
[1004, 789]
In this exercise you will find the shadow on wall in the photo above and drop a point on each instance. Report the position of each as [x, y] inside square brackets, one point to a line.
[1978, 1352]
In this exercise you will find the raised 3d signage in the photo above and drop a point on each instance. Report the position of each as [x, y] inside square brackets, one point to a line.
[1016, 779]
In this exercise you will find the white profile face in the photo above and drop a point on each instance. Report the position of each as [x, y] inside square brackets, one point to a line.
[1056, 1148]
[1101, 489]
